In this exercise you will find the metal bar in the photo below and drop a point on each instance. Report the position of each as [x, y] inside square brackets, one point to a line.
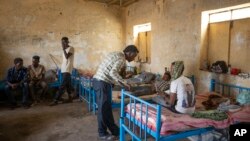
[134, 115]
[122, 131]
[146, 125]
[141, 122]
[140, 100]
[158, 123]
[212, 85]
[130, 132]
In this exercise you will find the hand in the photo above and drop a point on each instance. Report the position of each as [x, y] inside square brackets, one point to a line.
[63, 47]
[127, 86]
[14, 86]
[161, 94]
[128, 75]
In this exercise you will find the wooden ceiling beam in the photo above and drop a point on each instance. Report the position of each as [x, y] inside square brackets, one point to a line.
[127, 3]
[112, 2]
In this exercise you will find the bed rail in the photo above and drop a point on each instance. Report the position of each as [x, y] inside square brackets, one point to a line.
[133, 123]
[223, 88]
[138, 128]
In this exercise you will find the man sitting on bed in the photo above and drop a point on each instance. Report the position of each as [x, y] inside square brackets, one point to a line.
[106, 75]
[182, 94]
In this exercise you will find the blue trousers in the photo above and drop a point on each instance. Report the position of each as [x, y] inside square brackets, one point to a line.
[105, 116]
[25, 91]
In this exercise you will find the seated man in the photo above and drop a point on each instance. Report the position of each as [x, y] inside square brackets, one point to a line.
[36, 73]
[16, 79]
[182, 94]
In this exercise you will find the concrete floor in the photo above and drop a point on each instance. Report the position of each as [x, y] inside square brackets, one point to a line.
[64, 122]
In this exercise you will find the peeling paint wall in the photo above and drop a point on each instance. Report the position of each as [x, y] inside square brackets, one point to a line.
[176, 34]
[33, 27]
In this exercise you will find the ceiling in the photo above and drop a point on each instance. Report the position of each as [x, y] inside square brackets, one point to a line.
[122, 3]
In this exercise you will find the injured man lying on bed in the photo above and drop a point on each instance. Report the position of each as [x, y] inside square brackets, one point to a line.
[146, 84]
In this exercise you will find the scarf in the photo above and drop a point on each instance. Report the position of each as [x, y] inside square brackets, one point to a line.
[177, 69]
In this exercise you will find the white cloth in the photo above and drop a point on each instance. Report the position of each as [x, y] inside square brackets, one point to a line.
[67, 64]
[184, 89]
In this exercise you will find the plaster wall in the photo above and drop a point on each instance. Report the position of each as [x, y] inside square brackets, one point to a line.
[176, 34]
[32, 27]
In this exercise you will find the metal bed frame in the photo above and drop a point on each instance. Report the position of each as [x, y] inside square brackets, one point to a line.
[87, 93]
[144, 131]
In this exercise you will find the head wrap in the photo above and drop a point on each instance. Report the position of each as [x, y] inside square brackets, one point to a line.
[177, 69]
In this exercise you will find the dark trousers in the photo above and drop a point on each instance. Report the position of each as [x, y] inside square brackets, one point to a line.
[66, 84]
[105, 116]
[33, 85]
[11, 97]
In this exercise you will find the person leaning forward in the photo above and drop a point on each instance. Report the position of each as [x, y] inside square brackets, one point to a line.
[107, 75]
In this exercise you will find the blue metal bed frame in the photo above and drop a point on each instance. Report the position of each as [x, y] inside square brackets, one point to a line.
[118, 105]
[74, 79]
[86, 91]
[229, 87]
[59, 80]
[144, 131]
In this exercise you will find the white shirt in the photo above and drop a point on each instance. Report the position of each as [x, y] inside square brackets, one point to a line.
[184, 89]
[67, 64]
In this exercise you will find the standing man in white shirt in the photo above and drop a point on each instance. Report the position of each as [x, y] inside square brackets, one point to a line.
[182, 94]
[66, 69]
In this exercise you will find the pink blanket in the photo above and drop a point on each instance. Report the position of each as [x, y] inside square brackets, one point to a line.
[172, 122]
[240, 116]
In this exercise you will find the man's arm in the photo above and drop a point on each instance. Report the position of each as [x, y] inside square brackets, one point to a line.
[9, 75]
[43, 72]
[67, 55]
[114, 73]
[173, 93]
[172, 99]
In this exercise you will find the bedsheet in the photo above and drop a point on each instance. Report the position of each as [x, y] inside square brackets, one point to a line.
[172, 122]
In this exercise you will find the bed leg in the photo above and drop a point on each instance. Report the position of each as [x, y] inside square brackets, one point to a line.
[122, 131]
